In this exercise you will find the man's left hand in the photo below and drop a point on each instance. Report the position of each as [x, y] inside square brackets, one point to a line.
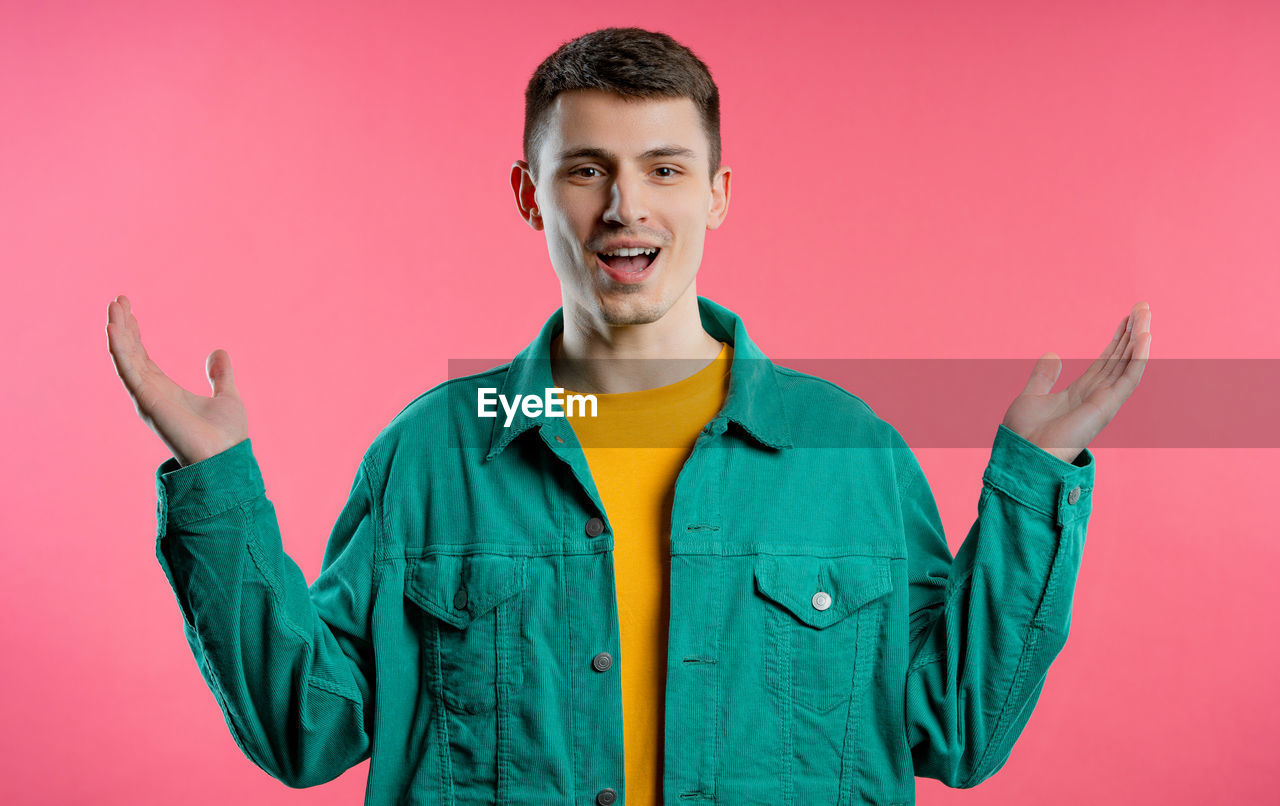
[1065, 422]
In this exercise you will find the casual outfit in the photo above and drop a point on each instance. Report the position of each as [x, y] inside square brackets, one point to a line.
[483, 621]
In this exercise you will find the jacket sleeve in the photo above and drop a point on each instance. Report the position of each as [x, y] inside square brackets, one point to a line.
[984, 627]
[290, 667]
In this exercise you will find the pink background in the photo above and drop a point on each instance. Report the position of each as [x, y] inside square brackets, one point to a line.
[321, 190]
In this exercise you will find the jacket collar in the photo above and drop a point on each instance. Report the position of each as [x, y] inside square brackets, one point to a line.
[754, 400]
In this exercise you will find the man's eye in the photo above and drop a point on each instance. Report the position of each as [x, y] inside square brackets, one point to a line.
[667, 176]
[580, 170]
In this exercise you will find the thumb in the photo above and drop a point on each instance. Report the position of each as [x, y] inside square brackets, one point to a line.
[218, 367]
[1043, 375]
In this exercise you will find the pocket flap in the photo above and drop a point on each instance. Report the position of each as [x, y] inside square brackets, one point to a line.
[793, 581]
[460, 588]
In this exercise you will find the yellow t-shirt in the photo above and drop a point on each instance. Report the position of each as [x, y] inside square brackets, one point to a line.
[635, 446]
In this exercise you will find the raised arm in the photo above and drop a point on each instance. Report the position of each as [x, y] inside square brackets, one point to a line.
[985, 626]
[291, 666]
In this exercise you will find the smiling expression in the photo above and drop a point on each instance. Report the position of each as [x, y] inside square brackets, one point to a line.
[622, 172]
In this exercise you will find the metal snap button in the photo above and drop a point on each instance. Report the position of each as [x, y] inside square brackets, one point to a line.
[606, 797]
[460, 599]
[821, 600]
[1074, 495]
[602, 662]
[594, 527]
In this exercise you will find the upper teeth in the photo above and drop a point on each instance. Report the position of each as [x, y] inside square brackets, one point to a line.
[631, 251]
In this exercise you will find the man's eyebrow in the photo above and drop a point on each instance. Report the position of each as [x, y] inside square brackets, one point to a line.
[608, 156]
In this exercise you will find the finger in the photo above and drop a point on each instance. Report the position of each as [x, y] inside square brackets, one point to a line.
[119, 336]
[125, 366]
[1127, 324]
[124, 341]
[1116, 363]
[1142, 325]
[1099, 365]
[1043, 375]
[1119, 332]
[1144, 318]
[221, 378]
[1133, 372]
[133, 325]
[1137, 325]
[1138, 338]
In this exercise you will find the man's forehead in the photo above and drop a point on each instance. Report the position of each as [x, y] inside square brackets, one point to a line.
[582, 122]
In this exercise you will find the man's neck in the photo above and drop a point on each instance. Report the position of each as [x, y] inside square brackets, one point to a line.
[603, 359]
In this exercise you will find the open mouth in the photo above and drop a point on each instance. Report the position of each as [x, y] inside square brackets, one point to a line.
[637, 263]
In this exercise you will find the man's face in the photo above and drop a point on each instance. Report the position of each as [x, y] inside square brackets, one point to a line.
[616, 171]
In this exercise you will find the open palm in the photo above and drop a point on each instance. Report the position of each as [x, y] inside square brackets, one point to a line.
[1065, 422]
[192, 426]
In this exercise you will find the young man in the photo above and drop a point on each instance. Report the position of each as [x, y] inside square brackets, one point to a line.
[689, 597]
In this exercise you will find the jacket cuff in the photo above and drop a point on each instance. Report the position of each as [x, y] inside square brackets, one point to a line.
[208, 487]
[1024, 471]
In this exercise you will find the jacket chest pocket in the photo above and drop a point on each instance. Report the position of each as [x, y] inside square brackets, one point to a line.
[813, 620]
[471, 633]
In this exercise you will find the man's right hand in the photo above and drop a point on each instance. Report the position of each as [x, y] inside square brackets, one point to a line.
[192, 427]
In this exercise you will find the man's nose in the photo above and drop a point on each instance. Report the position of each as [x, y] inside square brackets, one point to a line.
[627, 203]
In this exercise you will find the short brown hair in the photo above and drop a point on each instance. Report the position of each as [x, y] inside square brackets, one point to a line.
[630, 62]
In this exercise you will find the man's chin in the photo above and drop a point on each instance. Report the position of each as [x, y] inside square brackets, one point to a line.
[618, 313]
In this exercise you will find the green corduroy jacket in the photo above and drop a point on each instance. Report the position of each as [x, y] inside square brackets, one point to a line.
[825, 646]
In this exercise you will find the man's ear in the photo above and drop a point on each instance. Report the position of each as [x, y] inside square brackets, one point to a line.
[525, 191]
[719, 207]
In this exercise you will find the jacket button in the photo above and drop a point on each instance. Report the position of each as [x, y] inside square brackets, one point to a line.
[602, 662]
[594, 527]
[821, 600]
[460, 598]
[606, 796]
[1074, 495]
